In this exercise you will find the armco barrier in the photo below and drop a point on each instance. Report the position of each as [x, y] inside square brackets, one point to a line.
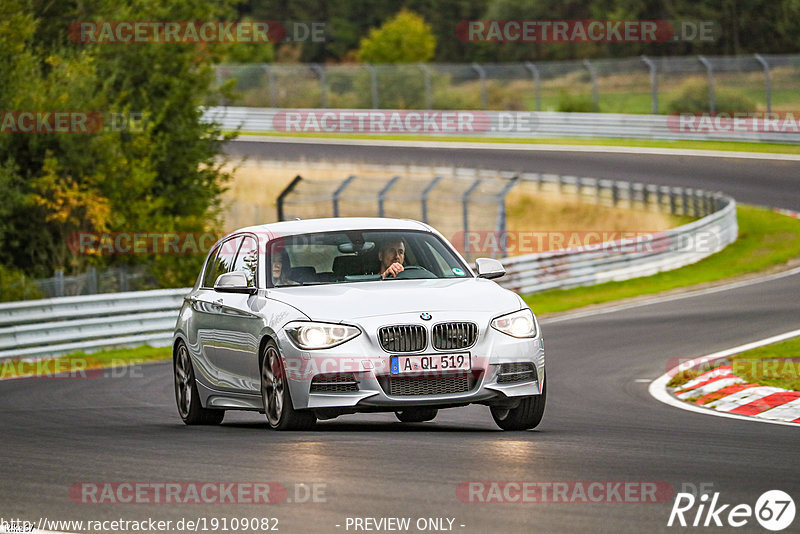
[489, 124]
[57, 326]
[50, 327]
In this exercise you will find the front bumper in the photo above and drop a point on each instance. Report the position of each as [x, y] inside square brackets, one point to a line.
[363, 359]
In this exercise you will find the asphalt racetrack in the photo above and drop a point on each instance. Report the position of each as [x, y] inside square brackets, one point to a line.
[600, 423]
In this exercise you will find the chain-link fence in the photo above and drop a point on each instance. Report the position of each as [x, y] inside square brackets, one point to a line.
[469, 201]
[628, 85]
[113, 280]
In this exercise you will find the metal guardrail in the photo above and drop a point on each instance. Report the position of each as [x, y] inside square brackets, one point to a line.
[64, 325]
[56, 326]
[488, 124]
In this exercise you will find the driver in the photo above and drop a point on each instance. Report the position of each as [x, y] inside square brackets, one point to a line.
[392, 254]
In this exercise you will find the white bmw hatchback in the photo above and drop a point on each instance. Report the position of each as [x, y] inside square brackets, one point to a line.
[313, 319]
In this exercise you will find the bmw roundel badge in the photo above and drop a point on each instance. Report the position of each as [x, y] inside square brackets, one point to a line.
[425, 316]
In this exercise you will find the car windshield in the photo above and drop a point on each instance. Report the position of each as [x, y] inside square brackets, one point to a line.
[360, 256]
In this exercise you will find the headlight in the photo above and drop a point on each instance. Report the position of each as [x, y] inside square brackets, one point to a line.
[517, 324]
[310, 336]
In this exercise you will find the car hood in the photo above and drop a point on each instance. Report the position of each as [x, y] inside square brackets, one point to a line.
[347, 301]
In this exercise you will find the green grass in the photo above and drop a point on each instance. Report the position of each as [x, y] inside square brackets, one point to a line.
[766, 239]
[776, 365]
[726, 146]
[80, 361]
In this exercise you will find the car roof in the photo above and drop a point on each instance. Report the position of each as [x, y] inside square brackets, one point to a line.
[332, 224]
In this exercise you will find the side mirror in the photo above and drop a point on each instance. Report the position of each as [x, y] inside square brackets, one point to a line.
[489, 268]
[235, 282]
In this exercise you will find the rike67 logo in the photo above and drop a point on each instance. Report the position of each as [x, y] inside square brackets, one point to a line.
[774, 510]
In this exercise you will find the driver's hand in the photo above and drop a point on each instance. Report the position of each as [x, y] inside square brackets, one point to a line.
[393, 269]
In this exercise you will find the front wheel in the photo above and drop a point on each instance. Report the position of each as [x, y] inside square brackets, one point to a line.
[189, 407]
[525, 416]
[416, 415]
[275, 395]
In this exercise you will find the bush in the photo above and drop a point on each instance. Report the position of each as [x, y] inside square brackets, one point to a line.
[16, 286]
[693, 96]
[575, 103]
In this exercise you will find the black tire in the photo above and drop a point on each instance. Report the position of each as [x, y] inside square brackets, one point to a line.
[416, 415]
[275, 395]
[188, 400]
[525, 416]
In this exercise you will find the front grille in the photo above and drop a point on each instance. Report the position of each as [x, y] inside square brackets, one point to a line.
[334, 383]
[450, 336]
[403, 338]
[517, 372]
[408, 386]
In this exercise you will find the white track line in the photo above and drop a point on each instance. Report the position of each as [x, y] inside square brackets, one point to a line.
[658, 387]
[532, 147]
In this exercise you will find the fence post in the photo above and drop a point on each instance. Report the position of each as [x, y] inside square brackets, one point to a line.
[424, 198]
[712, 106]
[289, 188]
[501, 213]
[465, 211]
[482, 73]
[653, 82]
[767, 80]
[273, 89]
[123, 278]
[426, 76]
[92, 279]
[593, 77]
[373, 84]
[59, 282]
[338, 192]
[323, 83]
[383, 192]
[537, 88]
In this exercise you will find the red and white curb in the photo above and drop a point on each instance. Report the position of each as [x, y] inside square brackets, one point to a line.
[720, 392]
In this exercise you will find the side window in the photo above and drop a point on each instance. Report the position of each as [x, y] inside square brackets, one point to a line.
[223, 262]
[247, 260]
[208, 272]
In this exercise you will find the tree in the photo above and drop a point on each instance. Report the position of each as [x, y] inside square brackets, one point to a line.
[406, 38]
[159, 175]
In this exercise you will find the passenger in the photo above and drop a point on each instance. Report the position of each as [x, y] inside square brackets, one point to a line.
[280, 270]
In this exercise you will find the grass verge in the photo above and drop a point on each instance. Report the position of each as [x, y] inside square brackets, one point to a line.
[775, 365]
[766, 239]
[77, 364]
[729, 146]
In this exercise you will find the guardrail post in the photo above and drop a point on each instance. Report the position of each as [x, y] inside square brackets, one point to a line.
[593, 77]
[630, 195]
[465, 211]
[123, 278]
[653, 83]
[426, 76]
[614, 193]
[482, 73]
[323, 83]
[383, 192]
[537, 88]
[712, 105]
[767, 80]
[273, 87]
[672, 202]
[289, 188]
[501, 212]
[373, 85]
[338, 192]
[685, 201]
[424, 197]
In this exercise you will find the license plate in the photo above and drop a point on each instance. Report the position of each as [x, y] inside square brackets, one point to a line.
[430, 363]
